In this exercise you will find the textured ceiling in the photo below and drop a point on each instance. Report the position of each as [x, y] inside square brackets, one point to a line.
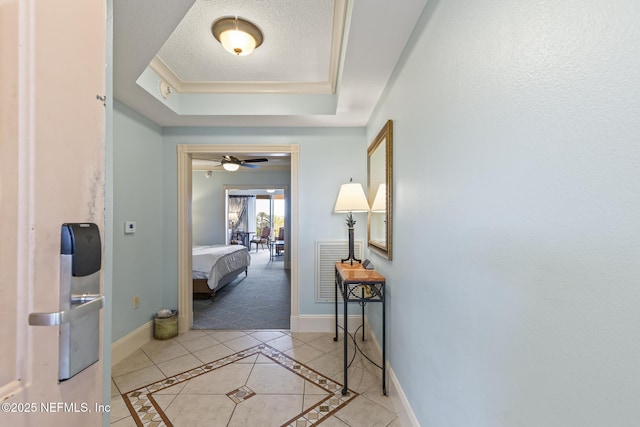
[323, 62]
[194, 55]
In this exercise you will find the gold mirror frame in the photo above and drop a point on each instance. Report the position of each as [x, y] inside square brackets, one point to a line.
[380, 171]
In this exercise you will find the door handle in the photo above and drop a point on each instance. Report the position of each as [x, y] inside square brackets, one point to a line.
[95, 303]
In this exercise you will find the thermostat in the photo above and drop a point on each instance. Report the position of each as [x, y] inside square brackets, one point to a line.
[129, 227]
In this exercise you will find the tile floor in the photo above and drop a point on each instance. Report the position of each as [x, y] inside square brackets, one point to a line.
[248, 378]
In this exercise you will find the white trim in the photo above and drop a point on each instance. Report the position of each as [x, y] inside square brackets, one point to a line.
[185, 284]
[131, 342]
[400, 402]
[403, 408]
[184, 154]
[165, 72]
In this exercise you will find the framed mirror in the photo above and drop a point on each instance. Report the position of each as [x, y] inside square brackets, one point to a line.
[379, 191]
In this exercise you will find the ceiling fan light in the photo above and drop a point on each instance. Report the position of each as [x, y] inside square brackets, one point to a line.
[231, 167]
[237, 36]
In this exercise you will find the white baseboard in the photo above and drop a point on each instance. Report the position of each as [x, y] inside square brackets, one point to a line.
[322, 323]
[400, 402]
[131, 342]
[395, 392]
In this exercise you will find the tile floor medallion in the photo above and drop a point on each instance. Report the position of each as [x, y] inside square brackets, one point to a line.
[254, 388]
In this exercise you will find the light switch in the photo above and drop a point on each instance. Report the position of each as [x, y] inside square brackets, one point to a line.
[129, 227]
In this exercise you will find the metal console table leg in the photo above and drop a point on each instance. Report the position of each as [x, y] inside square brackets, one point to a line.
[344, 359]
[335, 293]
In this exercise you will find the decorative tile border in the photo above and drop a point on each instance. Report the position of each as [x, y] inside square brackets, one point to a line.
[241, 394]
[147, 413]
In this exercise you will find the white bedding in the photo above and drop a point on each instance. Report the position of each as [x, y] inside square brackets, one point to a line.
[213, 262]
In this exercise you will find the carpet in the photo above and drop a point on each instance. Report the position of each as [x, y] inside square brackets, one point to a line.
[261, 300]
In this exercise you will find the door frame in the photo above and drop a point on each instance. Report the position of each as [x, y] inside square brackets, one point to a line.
[185, 154]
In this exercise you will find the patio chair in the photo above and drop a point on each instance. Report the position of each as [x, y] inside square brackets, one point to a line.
[262, 239]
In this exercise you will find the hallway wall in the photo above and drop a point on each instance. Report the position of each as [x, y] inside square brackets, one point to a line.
[137, 194]
[513, 292]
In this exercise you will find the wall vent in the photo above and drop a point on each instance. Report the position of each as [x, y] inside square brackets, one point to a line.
[328, 252]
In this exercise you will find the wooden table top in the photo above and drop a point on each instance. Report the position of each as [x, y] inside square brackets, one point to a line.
[356, 273]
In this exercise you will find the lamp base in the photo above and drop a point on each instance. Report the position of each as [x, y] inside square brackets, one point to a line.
[351, 257]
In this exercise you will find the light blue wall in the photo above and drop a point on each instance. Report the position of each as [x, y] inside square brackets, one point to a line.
[137, 196]
[514, 288]
[207, 208]
[328, 158]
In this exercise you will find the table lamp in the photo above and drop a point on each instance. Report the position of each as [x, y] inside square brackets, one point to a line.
[351, 198]
[380, 201]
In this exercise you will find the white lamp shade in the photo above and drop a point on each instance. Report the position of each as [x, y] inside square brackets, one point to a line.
[351, 198]
[380, 201]
[237, 42]
[231, 167]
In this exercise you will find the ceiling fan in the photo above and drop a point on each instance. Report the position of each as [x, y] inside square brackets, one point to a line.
[232, 163]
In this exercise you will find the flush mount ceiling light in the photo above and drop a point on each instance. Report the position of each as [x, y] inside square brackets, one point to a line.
[237, 36]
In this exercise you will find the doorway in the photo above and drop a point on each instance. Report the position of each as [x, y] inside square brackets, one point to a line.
[185, 154]
[253, 210]
[255, 216]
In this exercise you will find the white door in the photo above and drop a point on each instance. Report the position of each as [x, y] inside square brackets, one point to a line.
[52, 68]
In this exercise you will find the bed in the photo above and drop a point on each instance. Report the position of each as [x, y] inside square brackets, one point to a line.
[216, 266]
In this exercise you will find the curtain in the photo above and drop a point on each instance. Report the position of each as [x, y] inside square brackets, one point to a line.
[238, 213]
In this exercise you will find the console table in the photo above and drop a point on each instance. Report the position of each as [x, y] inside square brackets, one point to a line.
[275, 247]
[357, 284]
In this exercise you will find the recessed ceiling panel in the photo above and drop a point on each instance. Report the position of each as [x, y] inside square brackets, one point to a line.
[168, 66]
[297, 43]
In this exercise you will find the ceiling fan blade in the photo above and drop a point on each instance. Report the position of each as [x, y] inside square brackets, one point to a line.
[246, 163]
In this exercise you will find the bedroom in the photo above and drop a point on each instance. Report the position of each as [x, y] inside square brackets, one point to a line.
[235, 303]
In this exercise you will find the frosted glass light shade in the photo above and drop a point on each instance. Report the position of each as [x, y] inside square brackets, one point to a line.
[351, 198]
[237, 42]
[238, 36]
